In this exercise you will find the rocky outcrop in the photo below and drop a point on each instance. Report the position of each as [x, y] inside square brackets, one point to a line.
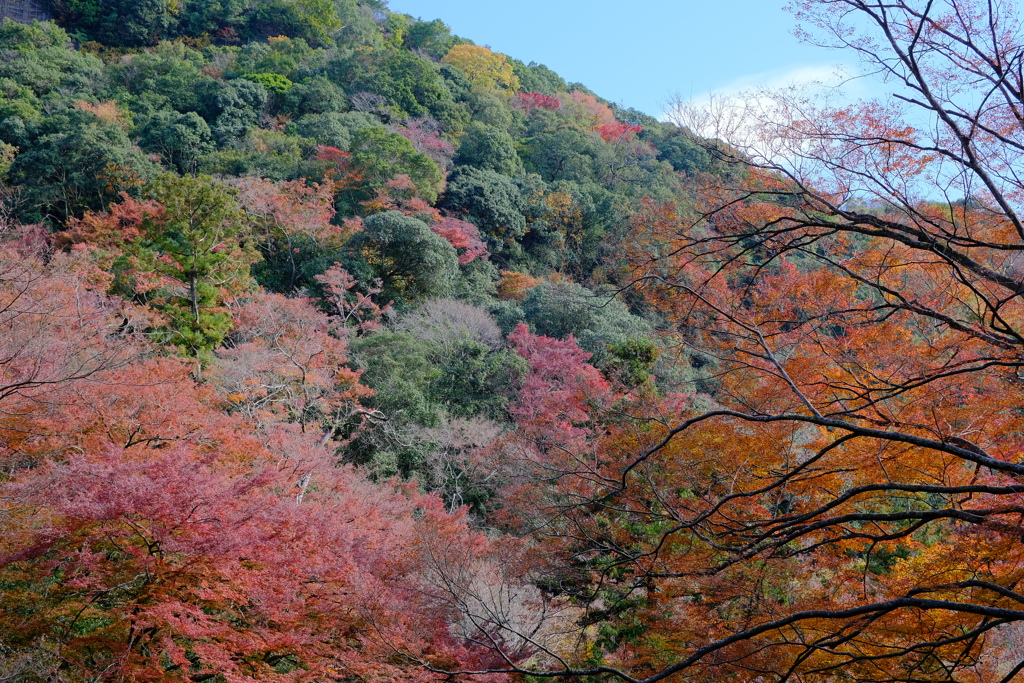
[24, 11]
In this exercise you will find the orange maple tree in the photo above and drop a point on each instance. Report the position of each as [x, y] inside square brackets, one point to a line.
[844, 501]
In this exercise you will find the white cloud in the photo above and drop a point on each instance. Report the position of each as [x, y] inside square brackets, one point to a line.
[835, 78]
[824, 75]
[736, 111]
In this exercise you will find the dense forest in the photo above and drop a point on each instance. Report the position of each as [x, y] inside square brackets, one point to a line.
[336, 347]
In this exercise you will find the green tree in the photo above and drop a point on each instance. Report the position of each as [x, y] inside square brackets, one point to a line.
[7, 153]
[212, 17]
[631, 362]
[444, 361]
[478, 373]
[358, 28]
[456, 82]
[378, 156]
[181, 140]
[600, 323]
[276, 54]
[316, 95]
[274, 83]
[38, 73]
[534, 77]
[233, 107]
[333, 129]
[200, 241]
[397, 366]
[121, 23]
[169, 76]
[475, 380]
[490, 201]
[311, 20]
[409, 259]
[263, 153]
[487, 147]
[676, 146]
[492, 109]
[433, 38]
[412, 86]
[77, 163]
[558, 149]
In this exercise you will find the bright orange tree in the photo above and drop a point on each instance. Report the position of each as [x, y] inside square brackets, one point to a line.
[844, 500]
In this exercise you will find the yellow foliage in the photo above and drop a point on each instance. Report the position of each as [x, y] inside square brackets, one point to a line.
[107, 112]
[514, 286]
[487, 70]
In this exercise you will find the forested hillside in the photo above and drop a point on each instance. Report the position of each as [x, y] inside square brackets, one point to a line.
[336, 347]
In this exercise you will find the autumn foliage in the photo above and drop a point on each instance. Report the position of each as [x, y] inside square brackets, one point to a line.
[528, 101]
[844, 503]
[158, 529]
[434, 379]
[462, 235]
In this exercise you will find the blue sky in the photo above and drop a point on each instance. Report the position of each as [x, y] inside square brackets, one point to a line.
[640, 55]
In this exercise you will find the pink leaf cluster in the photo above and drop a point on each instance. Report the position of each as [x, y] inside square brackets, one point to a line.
[120, 223]
[294, 207]
[464, 236]
[352, 307]
[561, 390]
[288, 362]
[588, 108]
[225, 563]
[425, 136]
[613, 132]
[528, 101]
[399, 194]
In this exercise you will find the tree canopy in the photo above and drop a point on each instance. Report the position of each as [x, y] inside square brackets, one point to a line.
[335, 347]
